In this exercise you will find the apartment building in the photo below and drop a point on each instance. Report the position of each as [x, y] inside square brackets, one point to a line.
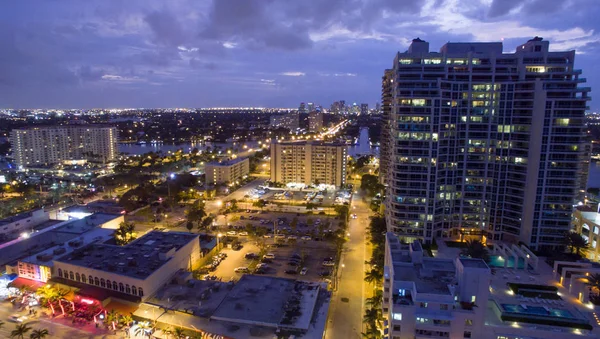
[51, 145]
[586, 221]
[450, 296]
[484, 142]
[315, 121]
[228, 171]
[309, 162]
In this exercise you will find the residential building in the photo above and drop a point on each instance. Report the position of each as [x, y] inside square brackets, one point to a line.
[315, 121]
[52, 145]
[451, 296]
[138, 269]
[484, 142]
[387, 142]
[23, 222]
[309, 162]
[290, 121]
[302, 108]
[310, 106]
[227, 172]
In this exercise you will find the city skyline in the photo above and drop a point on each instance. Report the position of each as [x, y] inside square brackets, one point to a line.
[203, 54]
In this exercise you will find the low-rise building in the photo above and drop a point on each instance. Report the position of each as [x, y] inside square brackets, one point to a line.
[451, 296]
[586, 221]
[227, 171]
[309, 162]
[23, 222]
[290, 121]
[137, 269]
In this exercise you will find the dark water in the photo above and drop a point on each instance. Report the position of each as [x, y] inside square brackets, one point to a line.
[187, 147]
[364, 146]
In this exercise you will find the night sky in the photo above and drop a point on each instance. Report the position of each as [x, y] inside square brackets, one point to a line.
[268, 53]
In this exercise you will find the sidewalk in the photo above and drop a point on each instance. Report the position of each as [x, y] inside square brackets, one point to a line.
[100, 332]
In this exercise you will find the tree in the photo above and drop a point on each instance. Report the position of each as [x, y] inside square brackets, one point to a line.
[196, 212]
[310, 206]
[189, 225]
[370, 184]
[372, 316]
[343, 211]
[39, 334]
[124, 234]
[476, 249]
[374, 276]
[207, 221]
[178, 332]
[376, 300]
[576, 243]
[259, 203]
[143, 329]
[20, 331]
[126, 321]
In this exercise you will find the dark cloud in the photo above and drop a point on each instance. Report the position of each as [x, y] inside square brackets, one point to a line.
[502, 7]
[166, 29]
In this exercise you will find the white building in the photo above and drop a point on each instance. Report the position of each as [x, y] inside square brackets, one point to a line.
[454, 297]
[137, 269]
[586, 222]
[228, 171]
[51, 145]
[483, 141]
[23, 222]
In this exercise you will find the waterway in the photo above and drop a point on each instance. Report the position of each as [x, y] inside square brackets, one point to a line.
[136, 149]
[363, 146]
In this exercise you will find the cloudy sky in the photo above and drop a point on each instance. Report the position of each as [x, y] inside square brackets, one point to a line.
[271, 53]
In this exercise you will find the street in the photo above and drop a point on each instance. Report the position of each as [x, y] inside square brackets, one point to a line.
[347, 304]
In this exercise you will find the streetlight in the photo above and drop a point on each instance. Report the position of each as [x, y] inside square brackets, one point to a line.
[219, 239]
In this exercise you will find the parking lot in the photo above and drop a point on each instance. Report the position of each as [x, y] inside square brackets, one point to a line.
[313, 225]
[287, 259]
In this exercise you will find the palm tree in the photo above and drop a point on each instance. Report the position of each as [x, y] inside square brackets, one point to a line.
[576, 243]
[143, 329]
[373, 276]
[476, 249]
[126, 320]
[167, 332]
[39, 334]
[178, 332]
[20, 331]
[112, 317]
[372, 316]
[376, 300]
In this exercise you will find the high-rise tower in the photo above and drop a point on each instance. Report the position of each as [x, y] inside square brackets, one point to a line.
[483, 142]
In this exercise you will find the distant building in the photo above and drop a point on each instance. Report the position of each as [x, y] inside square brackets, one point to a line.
[290, 121]
[315, 121]
[364, 109]
[302, 108]
[228, 171]
[137, 269]
[311, 106]
[305, 162]
[51, 145]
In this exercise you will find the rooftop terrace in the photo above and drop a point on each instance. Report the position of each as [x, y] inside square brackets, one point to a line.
[138, 259]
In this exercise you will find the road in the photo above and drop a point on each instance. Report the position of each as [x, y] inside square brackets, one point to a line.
[347, 303]
[213, 206]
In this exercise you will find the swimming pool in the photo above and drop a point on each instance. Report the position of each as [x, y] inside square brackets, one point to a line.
[498, 261]
[538, 310]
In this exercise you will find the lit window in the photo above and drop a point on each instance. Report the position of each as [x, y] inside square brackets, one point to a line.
[397, 316]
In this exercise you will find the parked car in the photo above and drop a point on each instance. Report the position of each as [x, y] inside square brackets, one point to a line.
[241, 270]
[292, 237]
[17, 318]
[243, 234]
[250, 255]
[231, 233]
[280, 236]
[305, 238]
[236, 246]
[291, 271]
[266, 260]
[324, 273]
[328, 263]
[297, 256]
[293, 263]
[303, 271]
[354, 216]
[269, 256]
[268, 236]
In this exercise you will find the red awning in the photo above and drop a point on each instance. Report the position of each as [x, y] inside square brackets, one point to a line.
[20, 282]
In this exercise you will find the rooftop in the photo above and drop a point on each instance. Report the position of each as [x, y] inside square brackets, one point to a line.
[227, 162]
[80, 226]
[138, 259]
[18, 217]
[46, 257]
[474, 263]
[199, 297]
[246, 301]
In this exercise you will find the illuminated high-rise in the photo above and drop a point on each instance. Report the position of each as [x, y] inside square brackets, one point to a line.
[481, 142]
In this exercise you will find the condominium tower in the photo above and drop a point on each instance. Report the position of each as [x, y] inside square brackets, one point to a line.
[315, 121]
[50, 145]
[483, 142]
[306, 162]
